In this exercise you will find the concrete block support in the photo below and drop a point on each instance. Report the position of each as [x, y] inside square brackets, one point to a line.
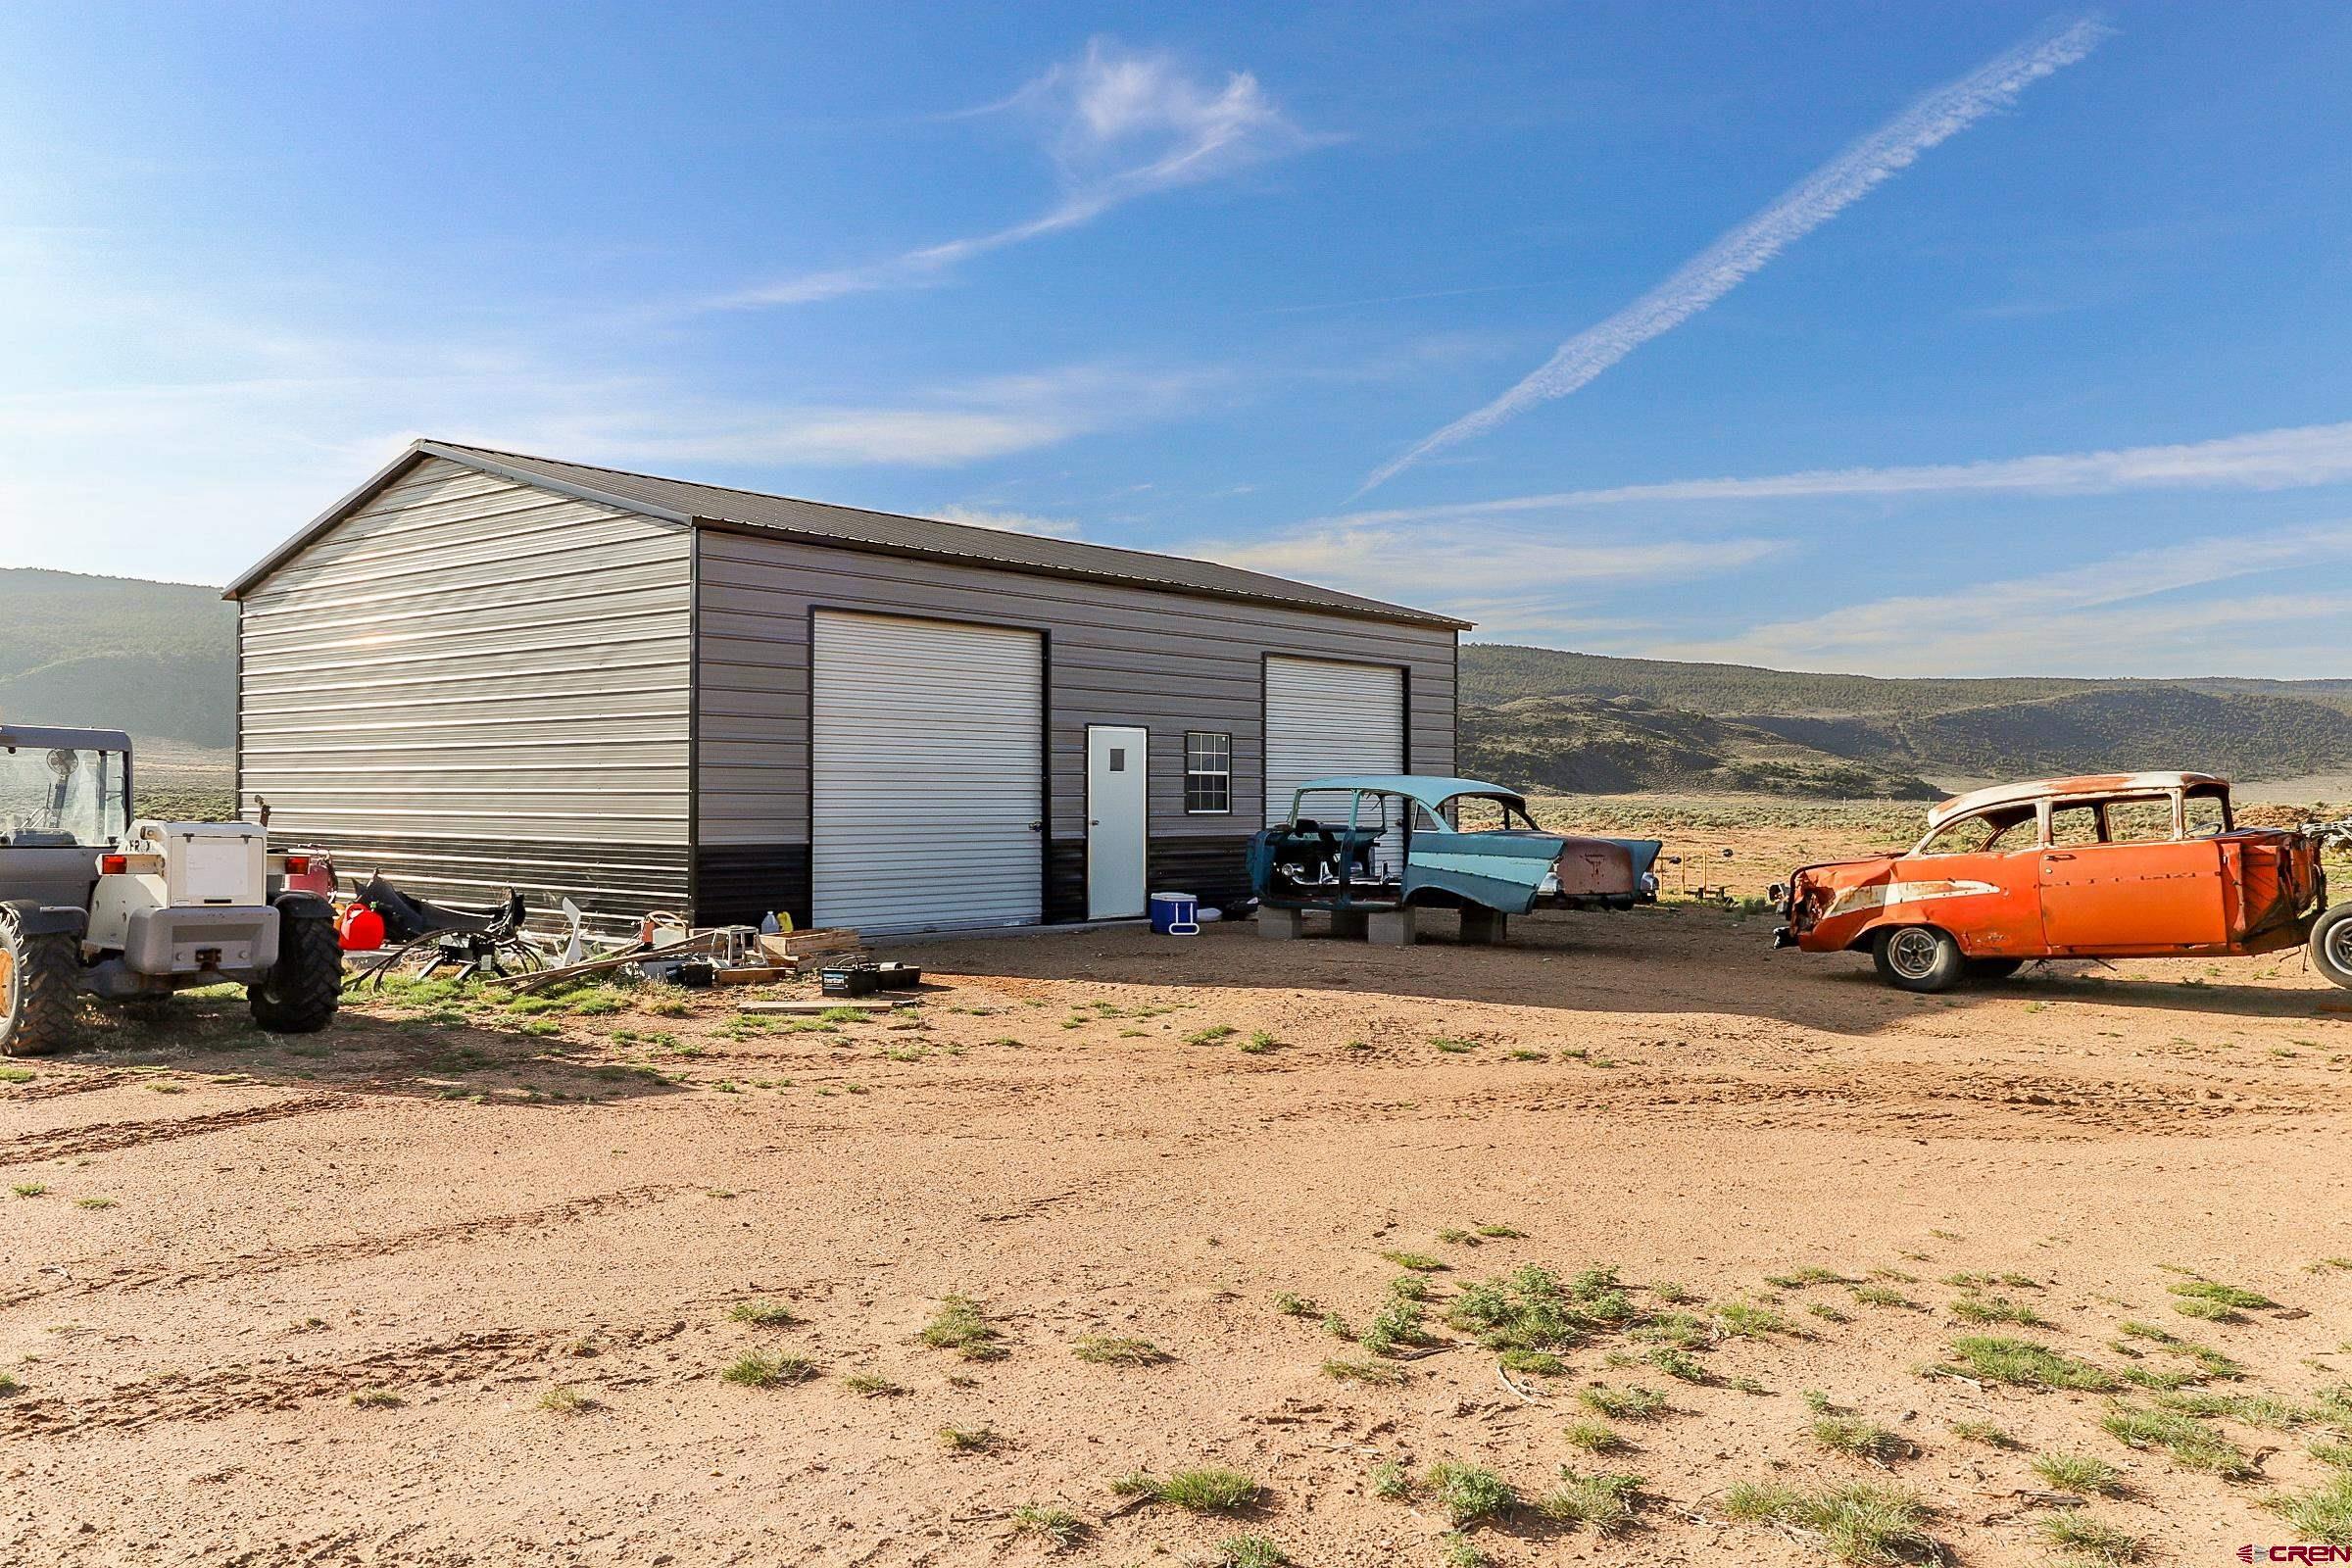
[1484, 927]
[1392, 928]
[1281, 925]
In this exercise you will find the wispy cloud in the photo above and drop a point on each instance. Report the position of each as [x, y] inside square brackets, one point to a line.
[1119, 123]
[1511, 581]
[1732, 259]
[155, 403]
[2147, 612]
[2293, 457]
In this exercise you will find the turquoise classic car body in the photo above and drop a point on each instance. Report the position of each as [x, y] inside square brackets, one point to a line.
[1384, 841]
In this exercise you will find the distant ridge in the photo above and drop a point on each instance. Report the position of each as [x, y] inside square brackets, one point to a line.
[2012, 726]
[159, 660]
[154, 659]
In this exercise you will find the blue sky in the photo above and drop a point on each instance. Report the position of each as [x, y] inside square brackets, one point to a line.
[1983, 339]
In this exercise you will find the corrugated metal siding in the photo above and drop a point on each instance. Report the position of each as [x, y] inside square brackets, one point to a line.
[927, 749]
[1114, 656]
[476, 684]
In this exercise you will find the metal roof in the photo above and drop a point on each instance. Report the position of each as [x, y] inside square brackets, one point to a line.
[2060, 789]
[15, 737]
[682, 501]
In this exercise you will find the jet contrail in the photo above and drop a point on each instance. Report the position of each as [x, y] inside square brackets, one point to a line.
[1812, 202]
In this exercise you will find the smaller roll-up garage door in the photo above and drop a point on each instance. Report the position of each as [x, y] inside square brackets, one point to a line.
[1325, 717]
[926, 773]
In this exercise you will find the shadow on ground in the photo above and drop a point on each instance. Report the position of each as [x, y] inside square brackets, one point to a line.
[1665, 960]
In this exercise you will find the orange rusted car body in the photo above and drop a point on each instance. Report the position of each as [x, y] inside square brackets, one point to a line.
[2112, 866]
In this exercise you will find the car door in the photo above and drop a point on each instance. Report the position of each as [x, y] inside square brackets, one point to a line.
[1976, 877]
[2117, 879]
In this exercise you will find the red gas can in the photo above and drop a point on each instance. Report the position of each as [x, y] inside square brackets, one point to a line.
[361, 929]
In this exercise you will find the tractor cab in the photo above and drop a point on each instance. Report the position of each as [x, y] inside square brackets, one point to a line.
[65, 798]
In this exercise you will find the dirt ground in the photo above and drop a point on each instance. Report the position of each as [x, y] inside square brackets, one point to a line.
[269, 1301]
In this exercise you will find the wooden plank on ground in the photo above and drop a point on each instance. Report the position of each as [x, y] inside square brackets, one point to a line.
[756, 975]
[827, 1004]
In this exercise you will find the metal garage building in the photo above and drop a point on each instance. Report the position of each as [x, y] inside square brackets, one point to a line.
[482, 669]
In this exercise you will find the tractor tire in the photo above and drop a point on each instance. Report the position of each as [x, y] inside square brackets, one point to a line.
[1918, 957]
[39, 1001]
[1994, 968]
[305, 987]
[2331, 945]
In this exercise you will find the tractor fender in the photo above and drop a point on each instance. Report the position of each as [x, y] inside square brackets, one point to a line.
[47, 920]
[301, 905]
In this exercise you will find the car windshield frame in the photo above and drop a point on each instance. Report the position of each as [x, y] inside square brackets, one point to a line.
[64, 797]
[2034, 812]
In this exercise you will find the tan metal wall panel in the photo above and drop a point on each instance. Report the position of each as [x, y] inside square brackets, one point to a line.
[476, 684]
[1115, 656]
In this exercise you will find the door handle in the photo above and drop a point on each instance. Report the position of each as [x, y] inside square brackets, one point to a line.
[1037, 827]
[1093, 821]
[2057, 857]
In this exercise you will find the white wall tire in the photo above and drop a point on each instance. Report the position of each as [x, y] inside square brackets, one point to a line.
[2330, 945]
[1918, 957]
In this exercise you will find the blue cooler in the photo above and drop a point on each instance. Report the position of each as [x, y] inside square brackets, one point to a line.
[1172, 914]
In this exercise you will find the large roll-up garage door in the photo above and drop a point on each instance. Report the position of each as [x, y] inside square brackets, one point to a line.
[1327, 718]
[927, 773]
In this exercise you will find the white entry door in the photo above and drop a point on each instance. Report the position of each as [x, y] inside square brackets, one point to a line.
[1116, 818]
[926, 773]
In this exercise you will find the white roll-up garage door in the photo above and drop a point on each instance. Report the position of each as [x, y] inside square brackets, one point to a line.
[1325, 717]
[926, 778]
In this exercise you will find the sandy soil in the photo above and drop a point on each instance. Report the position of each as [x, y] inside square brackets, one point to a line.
[451, 1215]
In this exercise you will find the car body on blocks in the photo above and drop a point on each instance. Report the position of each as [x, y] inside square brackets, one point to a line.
[2117, 865]
[1385, 841]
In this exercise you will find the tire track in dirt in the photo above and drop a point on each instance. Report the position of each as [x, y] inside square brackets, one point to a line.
[254, 1265]
[282, 1385]
[52, 1084]
[2014, 1107]
[105, 1137]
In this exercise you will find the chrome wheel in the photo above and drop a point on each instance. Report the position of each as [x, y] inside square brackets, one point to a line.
[2339, 946]
[1912, 954]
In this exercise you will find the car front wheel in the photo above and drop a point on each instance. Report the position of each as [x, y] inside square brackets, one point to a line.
[1918, 957]
[2331, 945]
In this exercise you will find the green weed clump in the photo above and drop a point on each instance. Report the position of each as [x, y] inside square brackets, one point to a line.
[2087, 1540]
[1101, 1349]
[1997, 1309]
[1208, 1489]
[1857, 1523]
[763, 1314]
[1531, 1308]
[962, 1327]
[1250, 1551]
[1857, 1438]
[1469, 1493]
[1363, 1369]
[755, 1369]
[1633, 1403]
[1057, 1527]
[2079, 1474]
[2026, 1365]
[2188, 1441]
[1605, 1503]
[2321, 1514]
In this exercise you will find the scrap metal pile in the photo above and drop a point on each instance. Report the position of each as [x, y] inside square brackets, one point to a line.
[387, 930]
